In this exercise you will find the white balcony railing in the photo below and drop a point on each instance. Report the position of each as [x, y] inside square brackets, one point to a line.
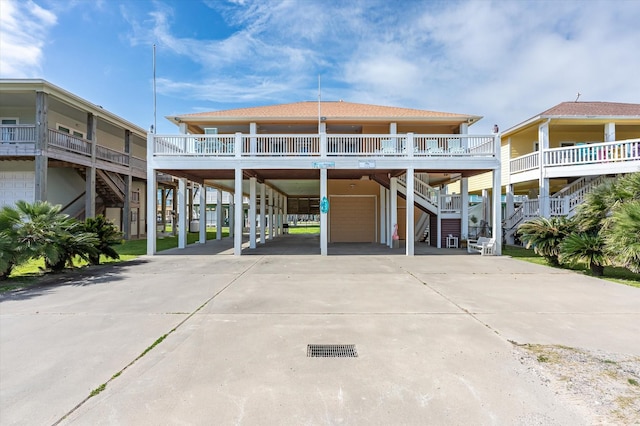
[579, 154]
[524, 163]
[290, 145]
[17, 133]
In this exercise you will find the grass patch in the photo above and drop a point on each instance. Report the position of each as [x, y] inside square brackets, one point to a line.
[304, 229]
[611, 273]
[31, 273]
[98, 390]
[633, 382]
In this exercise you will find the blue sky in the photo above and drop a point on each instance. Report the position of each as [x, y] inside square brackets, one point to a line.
[504, 60]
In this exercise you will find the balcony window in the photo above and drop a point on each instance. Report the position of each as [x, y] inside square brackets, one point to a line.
[9, 133]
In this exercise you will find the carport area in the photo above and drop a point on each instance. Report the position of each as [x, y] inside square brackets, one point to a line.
[198, 338]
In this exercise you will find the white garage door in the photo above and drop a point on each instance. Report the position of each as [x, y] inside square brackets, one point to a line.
[352, 219]
[16, 186]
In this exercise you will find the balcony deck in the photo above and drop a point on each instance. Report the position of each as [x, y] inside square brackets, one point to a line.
[20, 141]
[579, 160]
[295, 151]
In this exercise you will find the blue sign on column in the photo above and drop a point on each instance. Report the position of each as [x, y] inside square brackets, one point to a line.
[324, 205]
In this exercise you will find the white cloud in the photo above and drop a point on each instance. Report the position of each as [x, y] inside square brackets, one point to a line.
[504, 60]
[24, 27]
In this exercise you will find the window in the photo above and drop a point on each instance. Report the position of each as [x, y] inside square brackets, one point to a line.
[565, 144]
[9, 132]
[210, 130]
[66, 129]
[536, 146]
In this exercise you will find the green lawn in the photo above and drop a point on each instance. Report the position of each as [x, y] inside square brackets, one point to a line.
[29, 273]
[611, 273]
[304, 229]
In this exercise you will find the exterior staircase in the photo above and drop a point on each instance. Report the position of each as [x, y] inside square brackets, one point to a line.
[110, 187]
[562, 203]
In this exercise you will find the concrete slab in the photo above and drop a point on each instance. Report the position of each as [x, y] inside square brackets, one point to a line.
[431, 333]
[410, 370]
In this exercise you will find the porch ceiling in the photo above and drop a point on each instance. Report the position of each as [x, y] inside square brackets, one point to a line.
[306, 182]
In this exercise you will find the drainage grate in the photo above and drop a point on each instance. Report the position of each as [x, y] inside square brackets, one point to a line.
[332, 351]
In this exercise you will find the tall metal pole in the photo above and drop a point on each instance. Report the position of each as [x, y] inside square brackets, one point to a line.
[155, 123]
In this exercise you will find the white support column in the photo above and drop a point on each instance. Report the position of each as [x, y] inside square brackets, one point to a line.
[238, 221]
[383, 215]
[509, 209]
[252, 212]
[152, 199]
[278, 197]
[182, 213]
[263, 219]
[464, 220]
[203, 214]
[543, 195]
[271, 221]
[232, 217]
[609, 132]
[393, 203]
[285, 209]
[410, 228]
[219, 215]
[464, 128]
[389, 226]
[324, 222]
[497, 210]
[393, 128]
[253, 142]
[439, 221]
[486, 205]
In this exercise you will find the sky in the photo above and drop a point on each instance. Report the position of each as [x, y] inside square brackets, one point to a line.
[505, 60]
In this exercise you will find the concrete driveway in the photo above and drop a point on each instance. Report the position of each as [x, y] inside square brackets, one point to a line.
[432, 335]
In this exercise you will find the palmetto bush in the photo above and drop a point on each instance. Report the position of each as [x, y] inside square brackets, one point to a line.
[108, 236]
[39, 229]
[545, 236]
[585, 248]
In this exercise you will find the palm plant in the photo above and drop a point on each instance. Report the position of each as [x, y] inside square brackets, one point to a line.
[585, 248]
[623, 238]
[108, 236]
[545, 236]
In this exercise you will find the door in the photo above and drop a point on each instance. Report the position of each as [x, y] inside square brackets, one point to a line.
[352, 219]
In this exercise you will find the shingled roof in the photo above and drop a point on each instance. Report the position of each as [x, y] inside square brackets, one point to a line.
[598, 109]
[330, 110]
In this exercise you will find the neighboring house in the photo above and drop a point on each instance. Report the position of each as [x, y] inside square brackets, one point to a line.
[553, 159]
[58, 147]
[361, 164]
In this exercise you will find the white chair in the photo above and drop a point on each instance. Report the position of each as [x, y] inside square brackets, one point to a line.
[432, 147]
[455, 146]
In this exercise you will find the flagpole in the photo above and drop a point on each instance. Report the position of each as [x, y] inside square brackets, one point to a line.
[319, 108]
[155, 123]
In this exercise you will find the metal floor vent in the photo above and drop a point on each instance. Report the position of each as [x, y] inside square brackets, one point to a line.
[332, 351]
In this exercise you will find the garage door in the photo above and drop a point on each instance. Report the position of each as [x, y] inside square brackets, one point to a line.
[16, 186]
[352, 219]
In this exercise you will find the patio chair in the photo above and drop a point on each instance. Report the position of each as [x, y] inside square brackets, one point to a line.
[455, 147]
[388, 146]
[432, 146]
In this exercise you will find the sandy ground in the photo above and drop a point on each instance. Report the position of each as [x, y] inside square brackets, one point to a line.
[605, 385]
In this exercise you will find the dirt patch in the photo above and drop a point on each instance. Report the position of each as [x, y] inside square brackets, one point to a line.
[604, 385]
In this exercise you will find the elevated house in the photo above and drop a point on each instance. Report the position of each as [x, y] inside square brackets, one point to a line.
[58, 147]
[374, 173]
[550, 161]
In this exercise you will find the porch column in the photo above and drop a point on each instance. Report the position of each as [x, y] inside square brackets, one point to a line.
[609, 132]
[174, 209]
[324, 222]
[410, 228]
[90, 179]
[219, 214]
[182, 213]
[497, 210]
[464, 129]
[263, 219]
[128, 181]
[252, 212]
[276, 205]
[42, 139]
[485, 205]
[438, 221]
[509, 209]
[238, 221]
[393, 128]
[232, 217]
[285, 209]
[543, 195]
[152, 198]
[163, 210]
[203, 215]
[271, 213]
[393, 203]
[464, 218]
[383, 215]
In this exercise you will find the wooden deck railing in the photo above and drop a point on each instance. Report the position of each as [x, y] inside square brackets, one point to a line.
[21, 140]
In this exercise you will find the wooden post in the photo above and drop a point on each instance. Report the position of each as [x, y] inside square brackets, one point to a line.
[41, 158]
[126, 209]
[90, 179]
